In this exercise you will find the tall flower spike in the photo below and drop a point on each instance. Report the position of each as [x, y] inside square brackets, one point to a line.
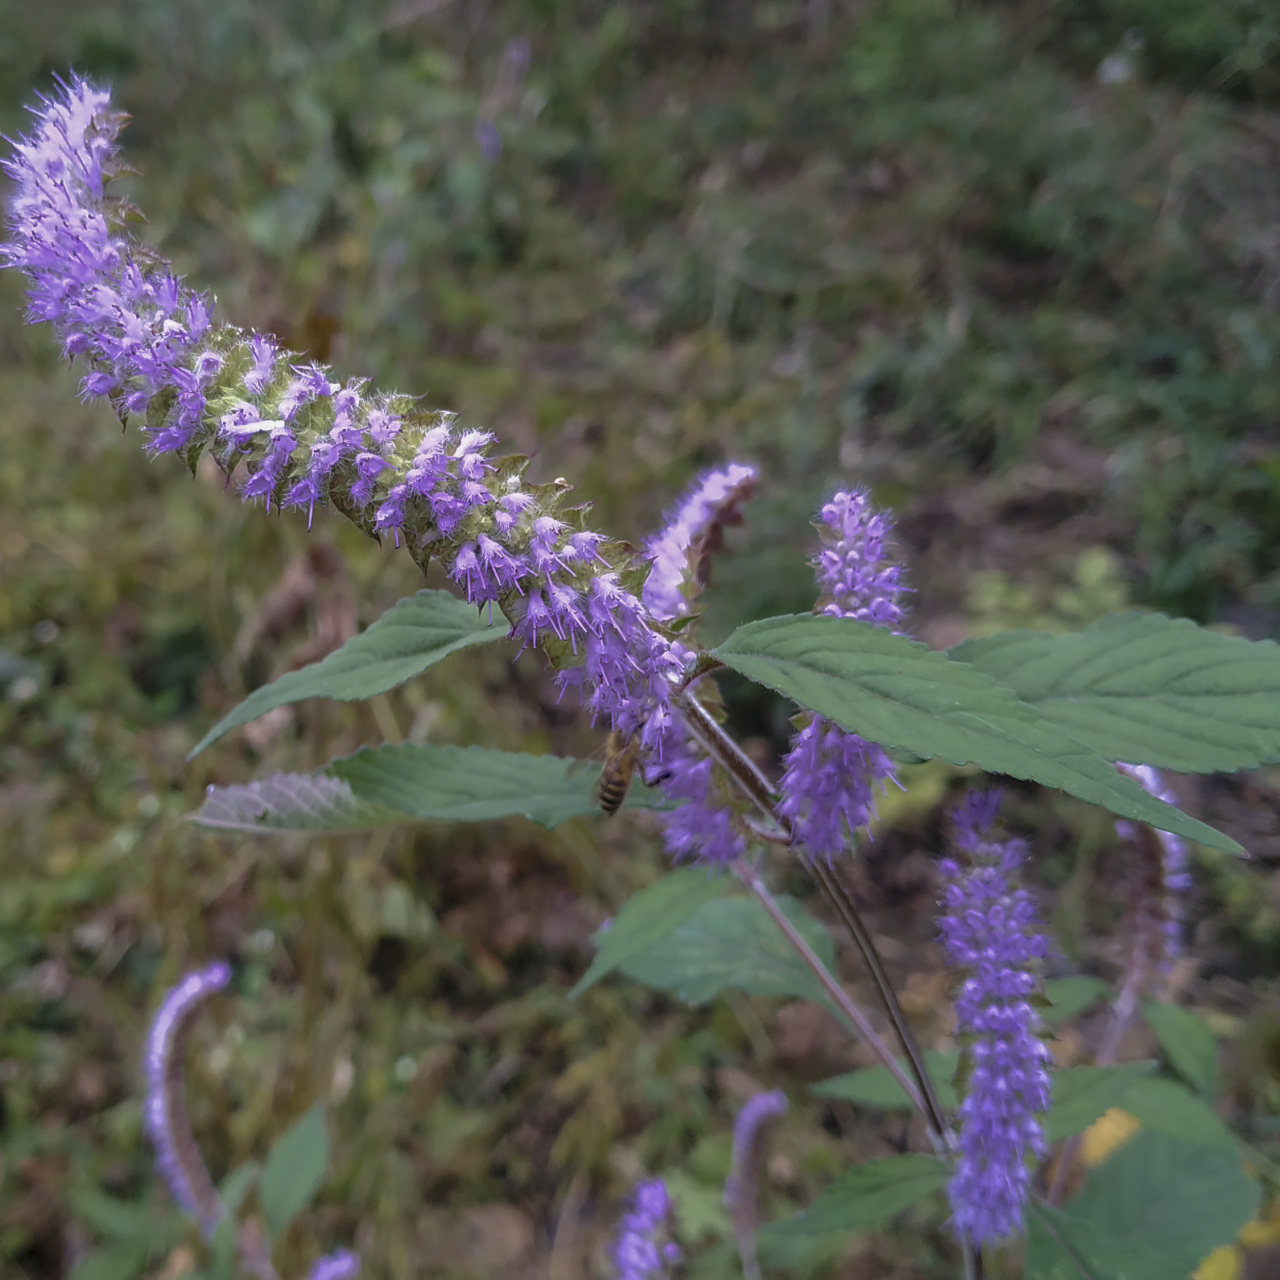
[989, 931]
[682, 552]
[742, 1189]
[831, 777]
[165, 1110]
[644, 1248]
[297, 438]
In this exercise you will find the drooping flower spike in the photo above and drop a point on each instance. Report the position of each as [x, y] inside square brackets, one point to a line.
[164, 1110]
[681, 553]
[991, 934]
[742, 1187]
[831, 777]
[645, 1249]
[296, 438]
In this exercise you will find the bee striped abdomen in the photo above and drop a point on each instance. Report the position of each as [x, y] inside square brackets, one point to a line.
[621, 755]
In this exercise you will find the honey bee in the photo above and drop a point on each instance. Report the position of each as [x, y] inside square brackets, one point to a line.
[621, 754]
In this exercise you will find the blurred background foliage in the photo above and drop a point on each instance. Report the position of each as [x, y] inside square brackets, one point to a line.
[1014, 265]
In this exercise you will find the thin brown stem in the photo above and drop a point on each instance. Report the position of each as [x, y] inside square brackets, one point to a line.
[838, 995]
[725, 752]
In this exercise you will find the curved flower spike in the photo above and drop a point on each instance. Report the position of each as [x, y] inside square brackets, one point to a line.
[165, 1111]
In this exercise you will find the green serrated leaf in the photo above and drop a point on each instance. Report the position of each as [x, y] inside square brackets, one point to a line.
[292, 802]
[384, 785]
[294, 1171]
[875, 1087]
[1165, 1106]
[899, 693]
[236, 1184]
[868, 1193]
[115, 1219]
[648, 917]
[414, 634]
[475, 784]
[1082, 1094]
[1069, 996]
[120, 1260]
[1147, 689]
[1063, 1247]
[732, 942]
[223, 1251]
[1188, 1043]
[1179, 1199]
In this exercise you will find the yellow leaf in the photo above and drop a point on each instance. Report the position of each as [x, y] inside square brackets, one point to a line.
[1224, 1263]
[1109, 1132]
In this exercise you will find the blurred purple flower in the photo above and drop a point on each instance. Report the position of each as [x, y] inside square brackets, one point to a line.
[990, 931]
[831, 777]
[644, 1248]
[742, 1187]
[340, 1265]
[164, 1110]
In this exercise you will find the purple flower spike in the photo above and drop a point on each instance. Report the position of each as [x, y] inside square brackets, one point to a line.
[990, 931]
[164, 1111]
[341, 1265]
[742, 1189]
[645, 1250]
[695, 530]
[831, 777]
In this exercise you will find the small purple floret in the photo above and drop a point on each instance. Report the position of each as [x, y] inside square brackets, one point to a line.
[990, 931]
[644, 1249]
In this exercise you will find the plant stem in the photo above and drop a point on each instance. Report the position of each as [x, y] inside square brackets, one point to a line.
[726, 752]
[839, 996]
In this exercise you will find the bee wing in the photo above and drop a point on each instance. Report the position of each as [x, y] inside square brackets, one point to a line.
[581, 762]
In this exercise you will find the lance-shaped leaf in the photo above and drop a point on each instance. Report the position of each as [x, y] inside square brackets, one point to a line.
[475, 784]
[434, 782]
[1179, 1199]
[648, 917]
[732, 942]
[1147, 689]
[1061, 1246]
[899, 693]
[414, 634]
[867, 1194]
[292, 802]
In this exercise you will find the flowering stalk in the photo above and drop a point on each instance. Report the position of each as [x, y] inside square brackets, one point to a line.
[298, 439]
[831, 776]
[989, 930]
[644, 1248]
[742, 1188]
[165, 1111]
